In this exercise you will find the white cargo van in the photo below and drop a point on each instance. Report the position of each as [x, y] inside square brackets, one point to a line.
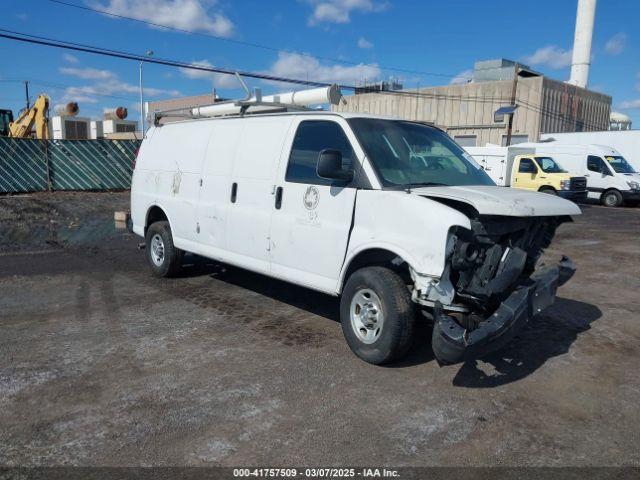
[627, 142]
[610, 179]
[390, 215]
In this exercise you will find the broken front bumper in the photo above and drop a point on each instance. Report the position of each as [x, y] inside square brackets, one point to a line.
[452, 343]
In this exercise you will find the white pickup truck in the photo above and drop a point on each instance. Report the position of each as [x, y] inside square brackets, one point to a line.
[390, 215]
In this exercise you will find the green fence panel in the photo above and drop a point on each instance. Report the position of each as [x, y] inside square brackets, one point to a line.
[28, 165]
[23, 165]
[91, 164]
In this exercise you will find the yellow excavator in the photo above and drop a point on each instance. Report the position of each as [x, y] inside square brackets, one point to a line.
[37, 116]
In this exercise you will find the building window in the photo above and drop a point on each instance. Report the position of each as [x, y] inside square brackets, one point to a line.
[466, 140]
[515, 139]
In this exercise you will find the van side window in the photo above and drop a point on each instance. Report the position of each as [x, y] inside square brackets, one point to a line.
[595, 164]
[526, 166]
[311, 138]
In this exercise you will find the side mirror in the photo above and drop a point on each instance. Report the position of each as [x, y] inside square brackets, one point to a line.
[330, 166]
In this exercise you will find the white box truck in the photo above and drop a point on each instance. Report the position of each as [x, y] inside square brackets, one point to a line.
[610, 178]
[390, 215]
[522, 167]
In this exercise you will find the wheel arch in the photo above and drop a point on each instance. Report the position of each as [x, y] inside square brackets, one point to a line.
[375, 256]
[155, 213]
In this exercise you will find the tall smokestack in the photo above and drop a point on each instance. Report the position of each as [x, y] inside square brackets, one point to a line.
[582, 43]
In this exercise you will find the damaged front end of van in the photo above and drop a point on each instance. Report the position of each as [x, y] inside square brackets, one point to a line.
[492, 284]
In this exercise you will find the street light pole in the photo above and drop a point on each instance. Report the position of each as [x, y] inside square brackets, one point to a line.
[142, 113]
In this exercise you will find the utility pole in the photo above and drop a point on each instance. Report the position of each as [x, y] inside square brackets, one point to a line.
[26, 92]
[514, 91]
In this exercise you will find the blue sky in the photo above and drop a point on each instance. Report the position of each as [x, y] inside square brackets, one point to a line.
[371, 37]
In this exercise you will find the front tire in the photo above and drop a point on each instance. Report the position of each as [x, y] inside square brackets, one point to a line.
[377, 315]
[611, 198]
[163, 257]
[549, 190]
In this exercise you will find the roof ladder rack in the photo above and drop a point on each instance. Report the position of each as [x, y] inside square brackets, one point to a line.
[257, 103]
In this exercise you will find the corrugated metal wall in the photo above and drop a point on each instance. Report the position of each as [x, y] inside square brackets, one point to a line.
[29, 165]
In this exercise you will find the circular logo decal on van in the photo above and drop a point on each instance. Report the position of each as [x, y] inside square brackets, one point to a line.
[311, 198]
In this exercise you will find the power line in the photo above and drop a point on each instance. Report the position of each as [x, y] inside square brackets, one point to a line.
[38, 40]
[78, 47]
[34, 39]
[246, 44]
[45, 41]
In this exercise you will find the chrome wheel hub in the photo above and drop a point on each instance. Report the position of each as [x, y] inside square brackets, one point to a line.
[367, 318]
[157, 250]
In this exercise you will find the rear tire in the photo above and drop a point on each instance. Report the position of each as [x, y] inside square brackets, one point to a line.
[377, 315]
[611, 198]
[163, 257]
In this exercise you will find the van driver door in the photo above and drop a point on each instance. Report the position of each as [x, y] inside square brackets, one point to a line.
[312, 216]
[525, 174]
[598, 176]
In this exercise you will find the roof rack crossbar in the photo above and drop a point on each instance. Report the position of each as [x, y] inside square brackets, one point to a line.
[293, 101]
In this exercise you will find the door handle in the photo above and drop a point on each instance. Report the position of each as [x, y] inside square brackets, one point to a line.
[278, 198]
[234, 192]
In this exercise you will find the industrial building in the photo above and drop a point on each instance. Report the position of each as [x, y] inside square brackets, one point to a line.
[477, 112]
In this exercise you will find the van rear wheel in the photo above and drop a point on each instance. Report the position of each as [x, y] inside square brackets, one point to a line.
[163, 257]
[611, 198]
[377, 315]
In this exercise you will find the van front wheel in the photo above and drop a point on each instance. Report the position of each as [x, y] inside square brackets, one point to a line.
[377, 315]
[611, 198]
[164, 258]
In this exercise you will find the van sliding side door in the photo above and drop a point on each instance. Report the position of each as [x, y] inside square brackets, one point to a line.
[250, 190]
[312, 216]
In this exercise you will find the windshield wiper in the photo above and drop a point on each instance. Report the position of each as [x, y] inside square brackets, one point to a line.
[424, 184]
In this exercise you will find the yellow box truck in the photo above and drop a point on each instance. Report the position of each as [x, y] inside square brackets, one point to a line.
[522, 167]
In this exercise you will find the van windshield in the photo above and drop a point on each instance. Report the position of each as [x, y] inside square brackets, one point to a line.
[549, 165]
[619, 164]
[408, 154]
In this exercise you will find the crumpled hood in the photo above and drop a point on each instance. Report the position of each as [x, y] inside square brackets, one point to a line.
[508, 201]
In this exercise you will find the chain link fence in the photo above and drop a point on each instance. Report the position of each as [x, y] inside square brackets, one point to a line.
[29, 165]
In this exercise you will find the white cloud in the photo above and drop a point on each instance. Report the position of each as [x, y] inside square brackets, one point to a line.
[364, 43]
[551, 56]
[191, 15]
[630, 104]
[220, 80]
[339, 11]
[615, 45]
[67, 57]
[106, 84]
[462, 77]
[87, 73]
[303, 67]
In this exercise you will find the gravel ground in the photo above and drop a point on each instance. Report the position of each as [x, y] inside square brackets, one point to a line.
[101, 364]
